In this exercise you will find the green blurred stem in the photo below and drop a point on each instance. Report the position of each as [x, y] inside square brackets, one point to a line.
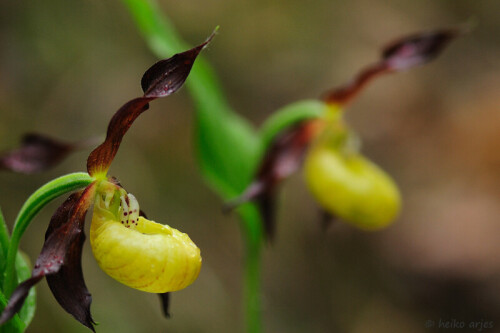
[253, 243]
[31, 207]
[252, 286]
[253, 237]
[4, 244]
[4, 235]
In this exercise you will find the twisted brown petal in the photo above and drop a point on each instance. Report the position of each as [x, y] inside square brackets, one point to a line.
[405, 53]
[160, 80]
[100, 158]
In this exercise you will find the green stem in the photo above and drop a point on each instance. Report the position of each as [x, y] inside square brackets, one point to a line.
[252, 234]
[252, 287]
[4, 244]
[31, 207]
[4, 234]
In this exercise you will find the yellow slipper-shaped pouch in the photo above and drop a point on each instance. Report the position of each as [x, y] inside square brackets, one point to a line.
[351, 187]
[140, 253]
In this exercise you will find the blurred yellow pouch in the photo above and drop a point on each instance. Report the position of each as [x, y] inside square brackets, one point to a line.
[351, 187]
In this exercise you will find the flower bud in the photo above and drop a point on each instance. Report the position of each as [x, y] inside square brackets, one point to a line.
[140, 253]
[349, 186]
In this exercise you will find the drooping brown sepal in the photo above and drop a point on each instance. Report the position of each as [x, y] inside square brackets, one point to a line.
[282, 159]
[162, 79]
[68, 285]
[402, 54]
[60, 260]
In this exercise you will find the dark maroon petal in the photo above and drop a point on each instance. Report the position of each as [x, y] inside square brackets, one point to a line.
[60, 259]
[167, 76]
[162, 79]
[286, 152]
[165, 303]
[37, 153]
[68, 285]
[405, 53]
[417, 49]
[267, 208]
[283, 158]
[60, 255]
[17, 298]
[62, 214]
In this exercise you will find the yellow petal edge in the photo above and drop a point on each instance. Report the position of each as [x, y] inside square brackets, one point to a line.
[144, 255]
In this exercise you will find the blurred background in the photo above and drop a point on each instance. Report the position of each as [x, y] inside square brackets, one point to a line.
[67, 66]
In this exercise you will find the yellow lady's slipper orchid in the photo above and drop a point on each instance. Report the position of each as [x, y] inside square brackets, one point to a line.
[345, 183]
[135, 251]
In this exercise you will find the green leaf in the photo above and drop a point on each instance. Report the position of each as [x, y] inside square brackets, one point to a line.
[227, 145]
[23, 269]
[226, 155]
